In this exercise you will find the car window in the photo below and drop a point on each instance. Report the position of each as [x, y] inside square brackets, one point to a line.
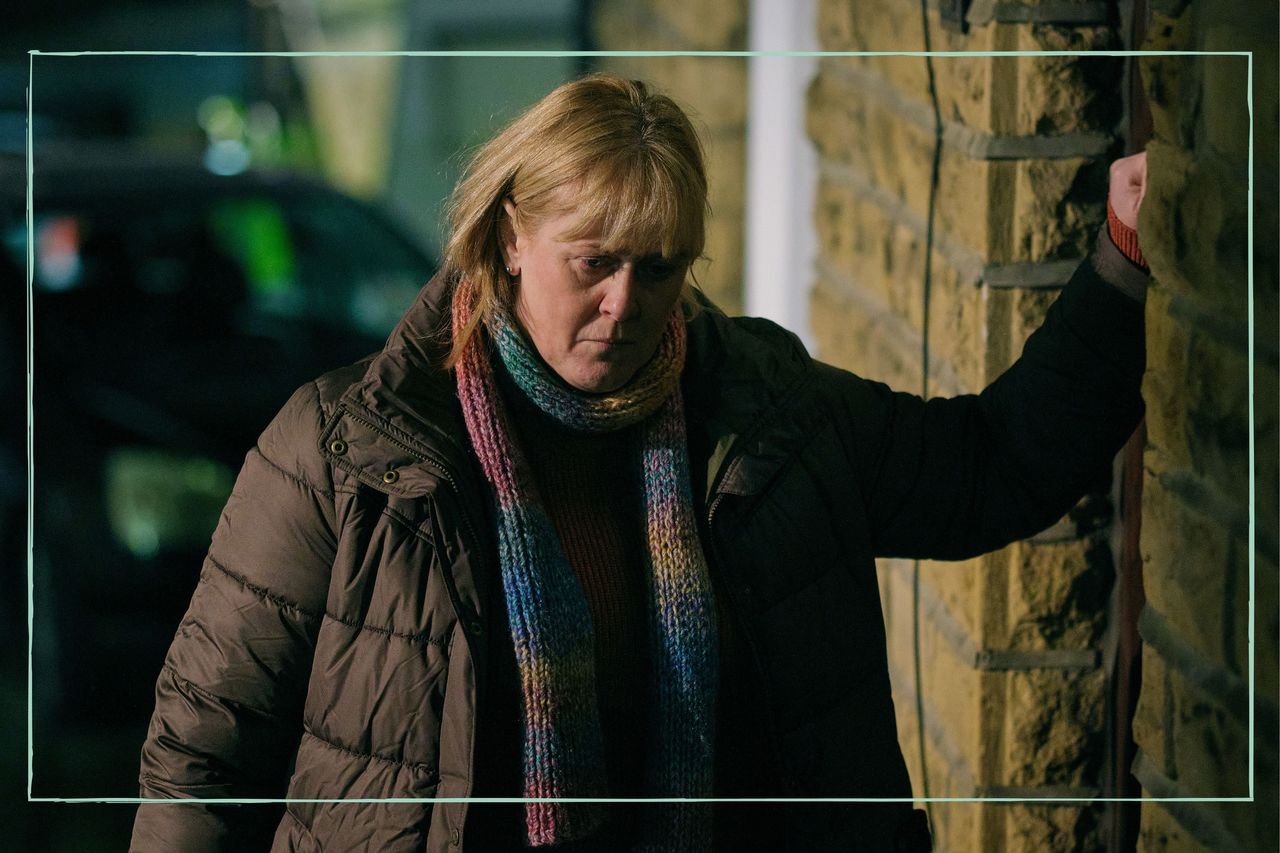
[303, 255]
[356, 268]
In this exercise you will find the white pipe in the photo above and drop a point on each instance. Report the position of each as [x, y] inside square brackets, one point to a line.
[781, 166]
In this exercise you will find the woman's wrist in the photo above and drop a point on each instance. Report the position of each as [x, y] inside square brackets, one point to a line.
[1124, 237]
[1117, 269]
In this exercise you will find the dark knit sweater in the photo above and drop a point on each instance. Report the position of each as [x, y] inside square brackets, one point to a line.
[590, 486]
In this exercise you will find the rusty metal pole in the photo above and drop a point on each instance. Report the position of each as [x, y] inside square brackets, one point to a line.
[1127, 674]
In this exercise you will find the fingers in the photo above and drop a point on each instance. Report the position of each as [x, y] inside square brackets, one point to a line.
[1130, 170]
[1140, 159]
[1128, 186]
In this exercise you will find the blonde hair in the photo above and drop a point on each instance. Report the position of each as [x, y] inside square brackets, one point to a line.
[626, 158]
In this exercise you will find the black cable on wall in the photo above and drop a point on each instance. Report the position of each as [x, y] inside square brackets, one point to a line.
[924, 389]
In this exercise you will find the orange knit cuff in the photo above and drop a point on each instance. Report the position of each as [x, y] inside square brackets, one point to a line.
[1125, 238]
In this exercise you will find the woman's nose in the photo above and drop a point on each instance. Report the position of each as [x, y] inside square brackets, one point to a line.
[620, 299]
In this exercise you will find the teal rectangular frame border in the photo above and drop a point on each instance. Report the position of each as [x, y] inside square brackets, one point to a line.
[32, 54]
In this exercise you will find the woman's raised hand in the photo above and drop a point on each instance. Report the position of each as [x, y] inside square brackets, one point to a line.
[1128, 186]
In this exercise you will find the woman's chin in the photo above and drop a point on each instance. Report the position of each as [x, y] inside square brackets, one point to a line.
[599, 378]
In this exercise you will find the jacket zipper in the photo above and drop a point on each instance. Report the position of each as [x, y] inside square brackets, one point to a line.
[736, 609]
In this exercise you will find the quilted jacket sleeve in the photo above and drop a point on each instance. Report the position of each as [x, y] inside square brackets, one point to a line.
[953, 478]
[229, 698]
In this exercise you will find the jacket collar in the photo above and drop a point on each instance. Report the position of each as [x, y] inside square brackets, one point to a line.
[740, 377]
[403, 415]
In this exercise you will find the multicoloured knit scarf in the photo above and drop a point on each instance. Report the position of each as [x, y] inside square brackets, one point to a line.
[549, 618]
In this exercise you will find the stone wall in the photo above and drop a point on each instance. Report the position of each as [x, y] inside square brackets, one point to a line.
[714, 92]
[1192, 724]
[1011, 698]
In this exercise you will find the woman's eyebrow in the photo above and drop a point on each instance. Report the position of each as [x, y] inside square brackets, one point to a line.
[586, 243]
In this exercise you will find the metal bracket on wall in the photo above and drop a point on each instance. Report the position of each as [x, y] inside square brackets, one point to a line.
[952, 13]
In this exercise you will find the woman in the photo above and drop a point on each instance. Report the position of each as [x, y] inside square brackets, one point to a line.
[575, 533]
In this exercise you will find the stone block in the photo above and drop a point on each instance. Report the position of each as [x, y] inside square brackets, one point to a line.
[952, 689]
[1018, 96]
[1197, 393]
[859, 340]
[957, 826]
[1168, 364]
[958, 331]
[1058, 207]
[1065, 826]
[1059, 593]
[1266, 665]
[1215, 394]
[838, 219]
[1055, 727]
[1225, 80]
[1160, 832]
[668, 25]
[1152, 723]
[1257, 822]
[1211, 229]
[898, 616]
[865, 245]
[703, 24]
[1210, 745]
[889, 25]
[1186, 727]
[1266, 115]
[869, 135]
[1172, 83]
[868, 246]
[960, 590]
[712, 89]
[1027, 310]
[1193, 224]
[1185, 559]
[868, 25]
[1266, 436]
[963, 83]
[895, 584]
[1068, 94]
[835, 25]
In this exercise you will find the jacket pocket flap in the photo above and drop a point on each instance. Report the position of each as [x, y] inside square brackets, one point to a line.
[380, 459]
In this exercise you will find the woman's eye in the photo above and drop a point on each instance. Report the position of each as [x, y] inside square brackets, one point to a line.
[595, 263]
[658, 270]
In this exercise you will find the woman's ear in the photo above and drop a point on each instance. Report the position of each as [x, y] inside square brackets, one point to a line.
[510, 243]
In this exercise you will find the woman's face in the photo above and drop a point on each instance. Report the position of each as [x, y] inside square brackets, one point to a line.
[594, 317]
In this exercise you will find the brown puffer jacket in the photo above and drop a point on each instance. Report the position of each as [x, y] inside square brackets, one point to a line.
[339, 645]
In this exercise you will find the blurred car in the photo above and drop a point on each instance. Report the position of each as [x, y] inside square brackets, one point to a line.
[174, 311]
